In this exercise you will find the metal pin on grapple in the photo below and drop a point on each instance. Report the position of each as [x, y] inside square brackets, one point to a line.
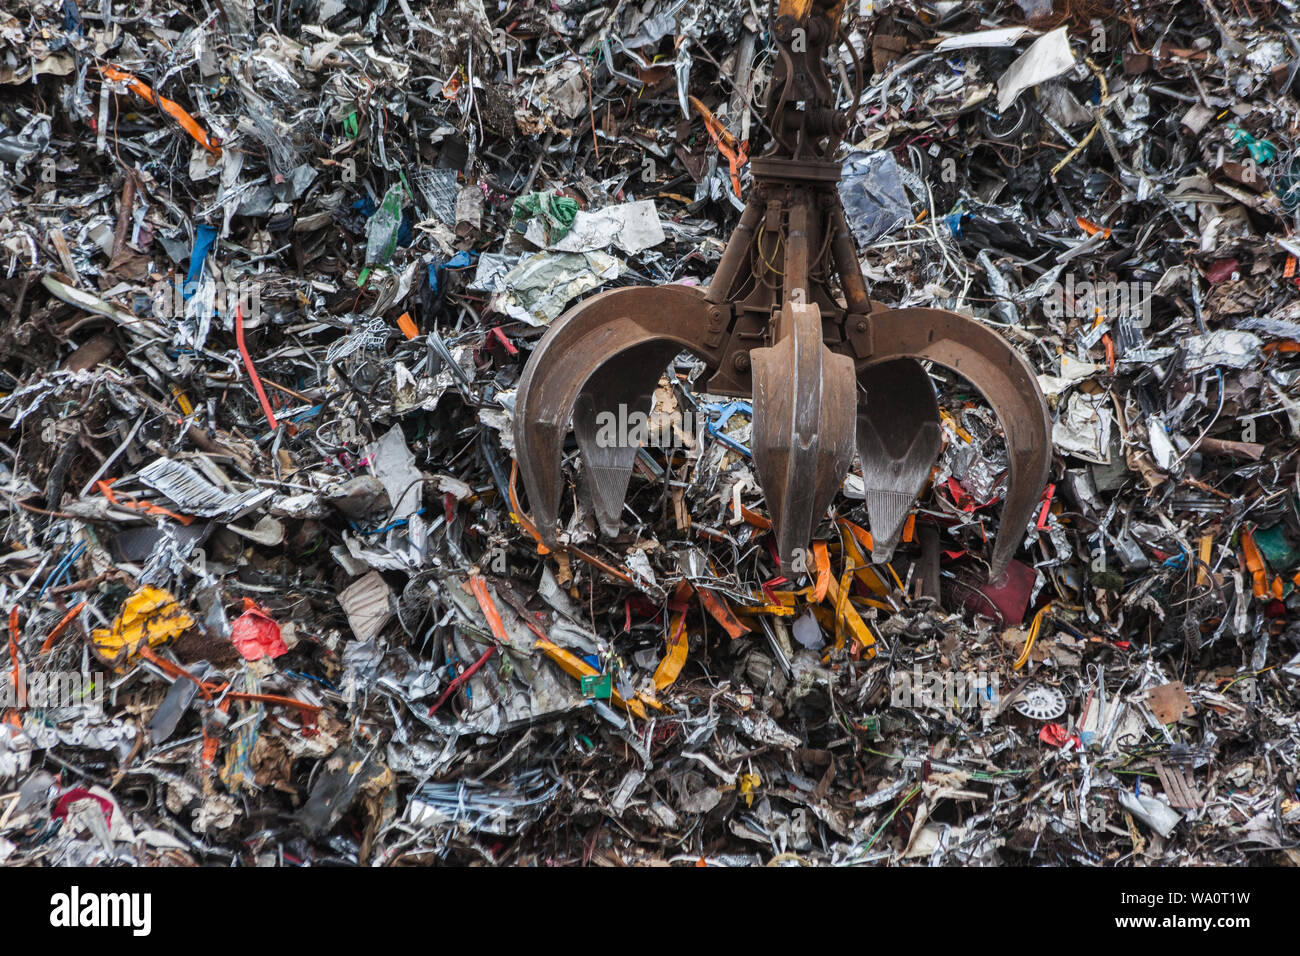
[786, 320]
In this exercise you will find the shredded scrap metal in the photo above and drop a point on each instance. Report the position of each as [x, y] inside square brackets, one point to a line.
[940, 507]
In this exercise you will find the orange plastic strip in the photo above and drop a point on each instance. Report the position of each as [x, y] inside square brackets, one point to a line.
[209, 690]
[1091, 228]
[722, 613]
[488, 606]
[822, 561]
[171, 108]
[1287, 346]
[105, 489]
[1255, 564]
[861, 535]
[518, 513]
[252, 372]
[61, 627]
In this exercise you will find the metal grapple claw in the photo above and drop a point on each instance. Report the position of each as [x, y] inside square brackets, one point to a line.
[1004, 378]
[899, 439]
[803, 426]
[786, 319]
[605, 355]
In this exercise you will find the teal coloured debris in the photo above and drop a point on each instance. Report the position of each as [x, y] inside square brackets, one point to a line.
[557, 212]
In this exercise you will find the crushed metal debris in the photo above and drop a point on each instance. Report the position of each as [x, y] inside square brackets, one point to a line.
[274, 589]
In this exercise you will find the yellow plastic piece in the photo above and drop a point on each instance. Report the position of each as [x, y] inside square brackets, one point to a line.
[575, 666]
[846, 613]
[675, 659]
[150, 616]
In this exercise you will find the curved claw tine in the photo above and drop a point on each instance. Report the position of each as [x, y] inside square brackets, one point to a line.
[587, 338]
[1005, 379]
[803, 426]
[899, 439]
[622, 387]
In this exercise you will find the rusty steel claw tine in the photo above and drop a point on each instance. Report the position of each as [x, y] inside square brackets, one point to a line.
[986, 360]
[899, 438]
[803, 427]
[605, 422]
[576, 347]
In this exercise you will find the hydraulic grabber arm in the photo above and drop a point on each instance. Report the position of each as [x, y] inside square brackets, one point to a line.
[787, 321]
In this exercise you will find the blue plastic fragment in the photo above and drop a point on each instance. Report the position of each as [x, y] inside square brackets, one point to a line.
[204, 237]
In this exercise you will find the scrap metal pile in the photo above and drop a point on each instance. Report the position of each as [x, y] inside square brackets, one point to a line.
[276, 587]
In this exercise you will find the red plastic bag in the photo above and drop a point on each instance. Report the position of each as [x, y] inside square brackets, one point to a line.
[256, 635]
[1054, 735]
